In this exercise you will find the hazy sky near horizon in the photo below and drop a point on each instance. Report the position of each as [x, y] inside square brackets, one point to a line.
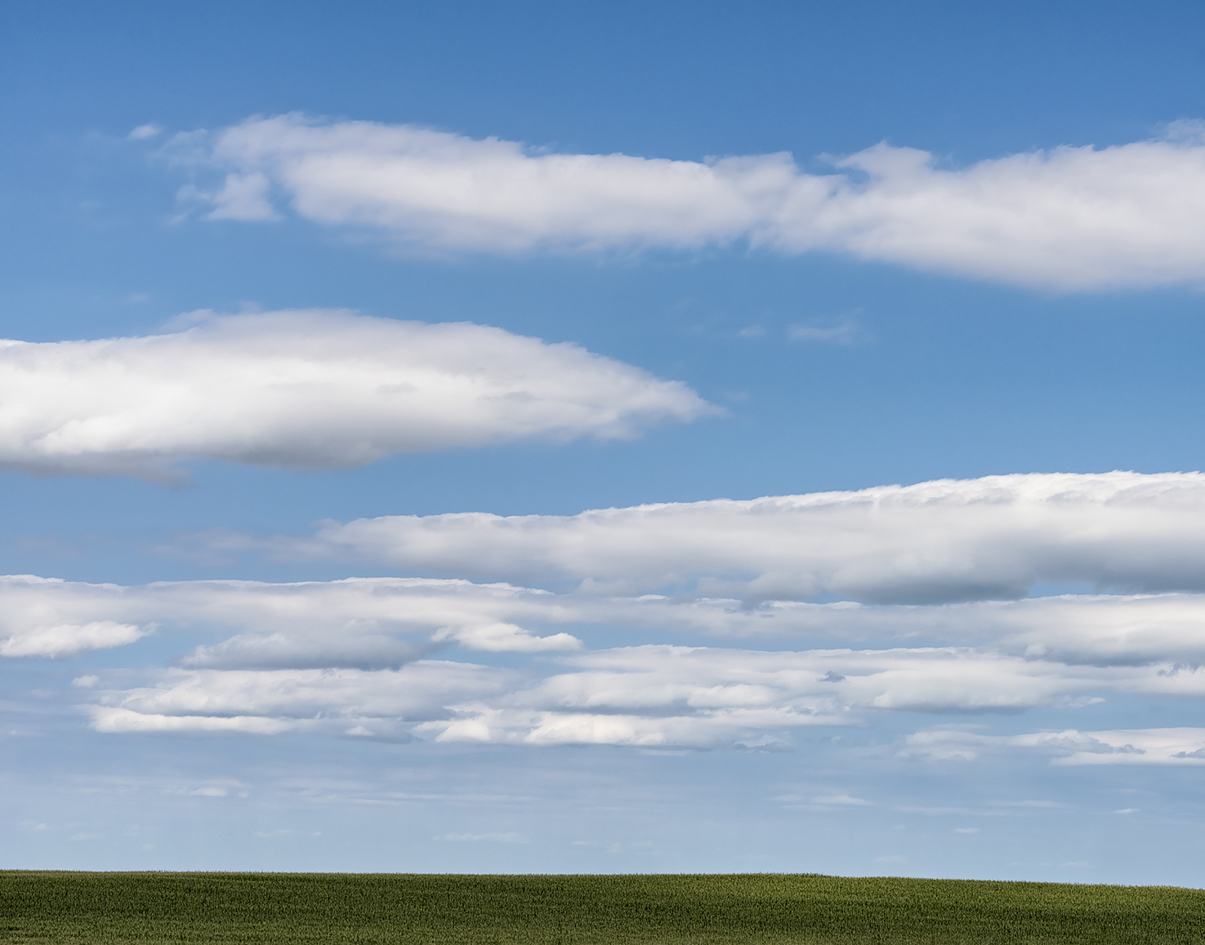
[563, 437]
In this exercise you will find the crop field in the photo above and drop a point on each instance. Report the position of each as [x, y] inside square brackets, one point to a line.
[99, 908]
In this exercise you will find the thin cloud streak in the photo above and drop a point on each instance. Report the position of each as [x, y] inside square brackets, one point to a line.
[1150, 746]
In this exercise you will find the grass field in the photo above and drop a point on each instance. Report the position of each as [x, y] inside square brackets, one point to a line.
[99, 908]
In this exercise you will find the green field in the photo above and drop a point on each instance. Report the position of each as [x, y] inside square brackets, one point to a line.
[344, 908]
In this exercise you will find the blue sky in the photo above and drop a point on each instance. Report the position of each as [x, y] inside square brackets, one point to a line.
[365, 267]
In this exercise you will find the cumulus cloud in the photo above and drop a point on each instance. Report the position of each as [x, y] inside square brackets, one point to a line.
[309, 389]
[1070, 218]
[947, 540]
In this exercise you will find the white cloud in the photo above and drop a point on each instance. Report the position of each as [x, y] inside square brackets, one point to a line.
[380, 622]
[63, 640]
[244, 197]
[1097, 629]
[819, 686]
[1149, 746]
[484, 725]
[269, 702]
[359, 622]
[355, 658]
[143, 132]
[650, 696]
[125, 721]
[309, 389]
[840, 800]
[1068, 218]
[946, 540]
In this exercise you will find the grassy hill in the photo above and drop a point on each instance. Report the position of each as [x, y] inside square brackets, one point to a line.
[186, 908]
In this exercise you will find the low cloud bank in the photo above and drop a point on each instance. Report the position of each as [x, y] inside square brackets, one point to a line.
[645, 696]
[375, 658]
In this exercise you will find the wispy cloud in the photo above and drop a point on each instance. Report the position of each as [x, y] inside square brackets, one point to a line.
[844, 331]
[143, 132]
[484, 838]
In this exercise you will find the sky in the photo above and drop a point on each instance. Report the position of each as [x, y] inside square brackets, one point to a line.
[603, 438]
